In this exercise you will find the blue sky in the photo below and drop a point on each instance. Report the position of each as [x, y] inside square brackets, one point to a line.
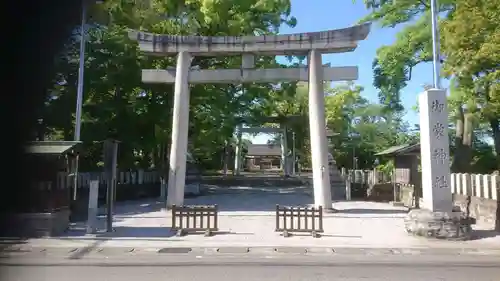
[335, 14]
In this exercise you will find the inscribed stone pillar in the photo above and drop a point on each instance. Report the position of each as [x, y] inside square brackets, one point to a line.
[180, 127]
[237, 157]
[317, 124]
[434, 147]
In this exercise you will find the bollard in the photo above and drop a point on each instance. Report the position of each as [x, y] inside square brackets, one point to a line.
[93, 207]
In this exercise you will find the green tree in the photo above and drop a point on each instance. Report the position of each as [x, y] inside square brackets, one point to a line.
[117, 103]
[393, 65]
[344, 107]
[471, 43]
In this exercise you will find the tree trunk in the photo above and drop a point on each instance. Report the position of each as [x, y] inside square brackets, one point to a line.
[164, 160]
[467, 143]
[463, 142]
[463, 147]
[495, 128]
[459, 134]
[154, 157]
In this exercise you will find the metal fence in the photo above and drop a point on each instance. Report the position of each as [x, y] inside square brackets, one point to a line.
[195, 218]
[299, 219]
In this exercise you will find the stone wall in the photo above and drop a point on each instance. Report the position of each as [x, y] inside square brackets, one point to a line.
[406, 195]
[381, 192]
[483, 210]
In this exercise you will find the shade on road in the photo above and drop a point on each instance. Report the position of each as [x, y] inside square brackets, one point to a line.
[292, 272]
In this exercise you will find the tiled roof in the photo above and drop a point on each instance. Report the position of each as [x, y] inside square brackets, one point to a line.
[400, 149]
[49, 147]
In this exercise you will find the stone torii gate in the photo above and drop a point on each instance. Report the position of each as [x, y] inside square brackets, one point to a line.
[312, 44]
[283, 144]
[268, 130]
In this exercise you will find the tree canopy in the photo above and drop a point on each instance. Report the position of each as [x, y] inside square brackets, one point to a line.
[116, 102]
[469, 34]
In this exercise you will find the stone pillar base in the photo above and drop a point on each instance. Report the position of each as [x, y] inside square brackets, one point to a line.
[330, 210]
[397, 204]
[439, 225]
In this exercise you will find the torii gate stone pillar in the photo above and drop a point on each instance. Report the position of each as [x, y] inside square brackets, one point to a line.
[317, 130]
[313, 44]
[180, 127]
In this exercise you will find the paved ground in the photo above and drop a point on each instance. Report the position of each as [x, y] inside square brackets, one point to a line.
[246, 273]
[95, 254]
[247, 219]
[277, 269]
[363, 241]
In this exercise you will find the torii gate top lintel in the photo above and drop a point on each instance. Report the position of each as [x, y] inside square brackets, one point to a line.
[269, 119]
[330, 41]
[282, 120]
[267, 130]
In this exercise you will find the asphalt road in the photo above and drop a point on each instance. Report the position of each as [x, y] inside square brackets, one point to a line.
[251, 272]
[258, 268]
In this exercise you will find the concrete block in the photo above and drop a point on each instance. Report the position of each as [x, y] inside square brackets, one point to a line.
[233, 250]
[180, 250]
[291, 250]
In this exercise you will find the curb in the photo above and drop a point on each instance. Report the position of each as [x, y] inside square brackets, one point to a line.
[77, 253]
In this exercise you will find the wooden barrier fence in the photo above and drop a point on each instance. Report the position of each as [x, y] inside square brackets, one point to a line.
[195, 218]
[305, 220]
